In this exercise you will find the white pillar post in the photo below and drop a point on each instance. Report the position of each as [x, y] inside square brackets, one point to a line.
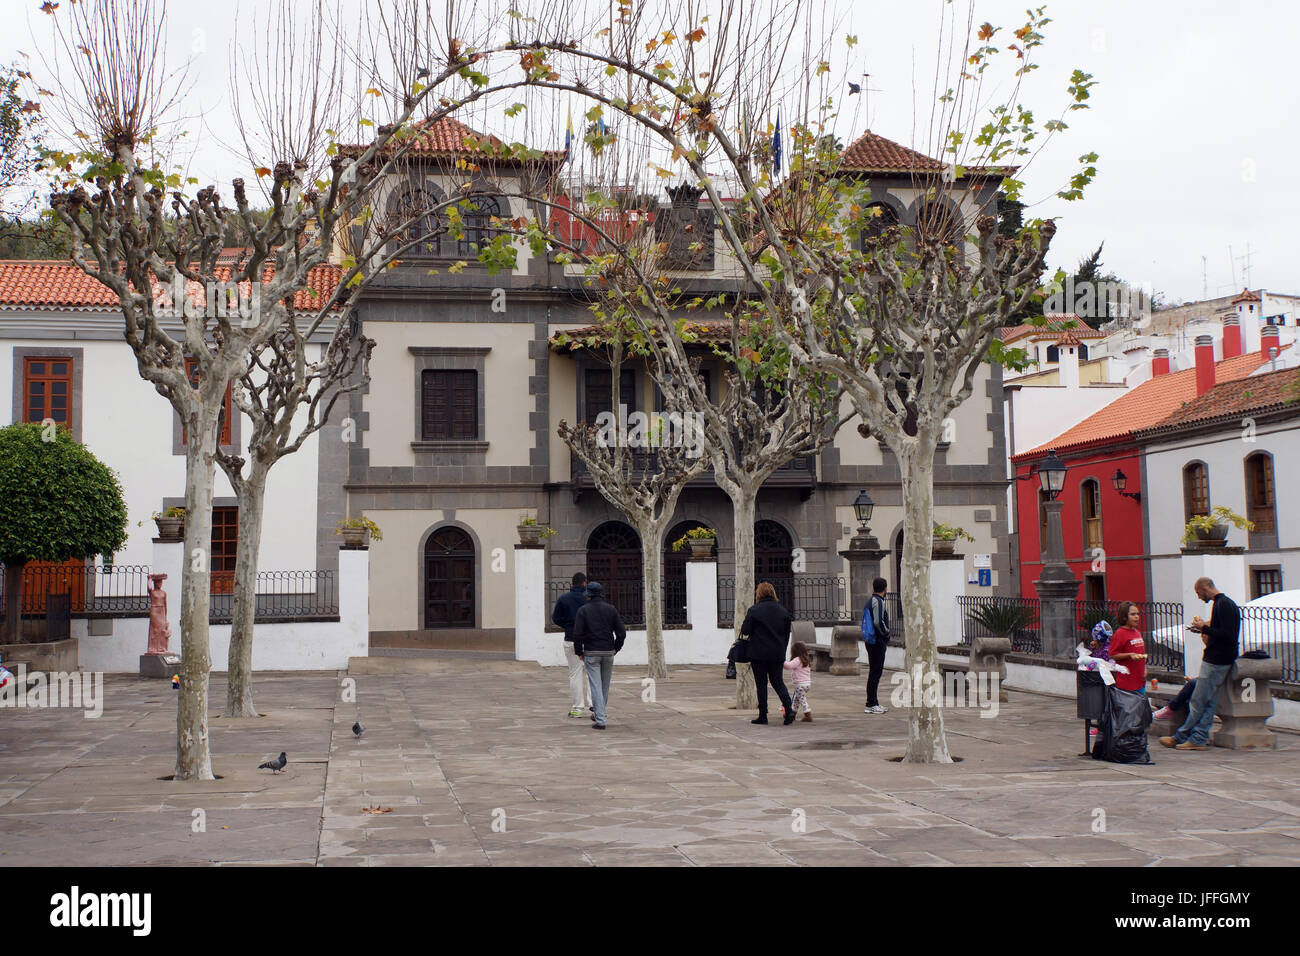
[1226, 567]
[702, 611]
[530, 604]
[947, 580]
[354, 600]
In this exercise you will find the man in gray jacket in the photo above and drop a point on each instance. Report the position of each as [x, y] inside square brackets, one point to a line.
[598, 634]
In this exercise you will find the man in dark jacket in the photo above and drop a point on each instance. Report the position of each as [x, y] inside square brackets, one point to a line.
[767, 626]
[598, 634]
[875, 631]
[1220, 634]
[566, 611]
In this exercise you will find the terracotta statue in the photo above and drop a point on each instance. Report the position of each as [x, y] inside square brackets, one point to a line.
[160, 632]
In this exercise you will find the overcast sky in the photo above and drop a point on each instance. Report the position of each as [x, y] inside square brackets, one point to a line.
[1193, 119]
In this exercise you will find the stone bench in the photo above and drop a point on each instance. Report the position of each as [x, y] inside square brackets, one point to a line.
[1245, 703]
[821, 657]
[839, 657]
[1166, 726]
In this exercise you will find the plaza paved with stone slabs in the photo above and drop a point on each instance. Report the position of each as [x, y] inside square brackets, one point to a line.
[481, 766]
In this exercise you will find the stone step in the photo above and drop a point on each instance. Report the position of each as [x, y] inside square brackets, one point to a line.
[449, 639]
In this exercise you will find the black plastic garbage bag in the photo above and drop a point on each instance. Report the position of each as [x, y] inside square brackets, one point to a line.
[1122, 733]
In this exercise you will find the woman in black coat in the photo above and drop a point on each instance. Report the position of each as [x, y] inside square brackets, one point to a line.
[767, 626]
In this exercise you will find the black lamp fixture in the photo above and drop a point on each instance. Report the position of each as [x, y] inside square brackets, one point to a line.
[862, 507]
[1051, 474]
[1120, 480]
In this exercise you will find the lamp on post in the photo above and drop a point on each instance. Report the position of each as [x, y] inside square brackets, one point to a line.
[863, 554]
[1057, 586]
[862, 507]
[1120, 480]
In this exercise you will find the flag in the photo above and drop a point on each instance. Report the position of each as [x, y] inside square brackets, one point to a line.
[568, 136]
[776, 145]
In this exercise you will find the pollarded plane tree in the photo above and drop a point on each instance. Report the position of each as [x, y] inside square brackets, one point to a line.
[901, 318]
[136, 228]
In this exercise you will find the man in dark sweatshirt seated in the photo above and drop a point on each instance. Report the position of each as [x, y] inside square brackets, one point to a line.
[1220, 636]
[598, 634]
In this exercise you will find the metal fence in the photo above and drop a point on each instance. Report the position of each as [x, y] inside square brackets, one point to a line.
[1157, 619]
[92, 590]
[808, 597]
[1013, 617]
[628, 598]
[284, 595]
[1276, 632]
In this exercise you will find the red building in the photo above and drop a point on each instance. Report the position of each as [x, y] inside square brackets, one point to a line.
[1104, 528]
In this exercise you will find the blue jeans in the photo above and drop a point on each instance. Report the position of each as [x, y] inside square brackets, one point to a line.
[600, 668]
[1200, 710]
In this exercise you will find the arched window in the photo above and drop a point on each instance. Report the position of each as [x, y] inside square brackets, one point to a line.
[413, 217]
[1090, 502]
[675, 572]
[941, 220]
[774, 560]
[614, 560]
[1196, 490]
[1053, 353]
[477, 212]
[880, 218]
[1043, 499]
[1260, 506]
[449, 579]
[1083, 352]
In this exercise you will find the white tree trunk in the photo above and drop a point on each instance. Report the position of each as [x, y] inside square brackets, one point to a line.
[652, 559]
[743, 505]
[239, 681]
[193, 752]
[926, 742]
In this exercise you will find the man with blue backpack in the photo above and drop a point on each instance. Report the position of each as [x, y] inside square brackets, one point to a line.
[875, 632]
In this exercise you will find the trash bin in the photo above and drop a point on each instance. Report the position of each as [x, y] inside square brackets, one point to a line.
[1090, 696]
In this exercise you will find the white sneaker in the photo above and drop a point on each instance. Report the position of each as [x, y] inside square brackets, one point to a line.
[575, 713]
[877, 710]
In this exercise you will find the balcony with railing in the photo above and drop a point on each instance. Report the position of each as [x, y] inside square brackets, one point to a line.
[799, 473]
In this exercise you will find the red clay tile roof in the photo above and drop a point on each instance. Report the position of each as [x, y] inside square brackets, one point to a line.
[1246, 296]
[1012, 332]
[1229, 401]
[1068, 337]
[44, 284]
[452, 139]
[873, 153]
[1145, 406]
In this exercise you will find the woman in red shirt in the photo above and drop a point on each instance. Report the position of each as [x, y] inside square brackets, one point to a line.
[1128, 648]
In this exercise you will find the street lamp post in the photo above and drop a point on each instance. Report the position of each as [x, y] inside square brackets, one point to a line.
[863, 555]
[1057, 586]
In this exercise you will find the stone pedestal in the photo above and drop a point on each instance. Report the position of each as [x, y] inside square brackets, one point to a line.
[988, 655]
[863, 555]
[1056, 588]
[160, 665]
[947, 581]
[846, 639]
[1244, 703]
[702, 595]
[1226, 567]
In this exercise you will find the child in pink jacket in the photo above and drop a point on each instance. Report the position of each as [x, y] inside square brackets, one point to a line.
[800, 664]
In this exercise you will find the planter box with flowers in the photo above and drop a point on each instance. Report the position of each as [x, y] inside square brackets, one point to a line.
[700, 540]
[357, 532]
[946, 537]
[171, 523]
[1211, 531]
[531, 533]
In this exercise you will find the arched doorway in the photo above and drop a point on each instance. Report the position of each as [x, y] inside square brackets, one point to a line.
[675, 572]
[898, 562]
[449, 579]
[774, 561]
[614, 560]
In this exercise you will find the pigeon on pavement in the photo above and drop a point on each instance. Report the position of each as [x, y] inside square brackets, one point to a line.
[276, 765]
[358, 729]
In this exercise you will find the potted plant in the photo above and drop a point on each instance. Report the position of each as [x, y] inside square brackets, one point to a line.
[171, 523]
[357, 532]
[699, 540]
[532, 533]
[946, 536]
[1211, 531]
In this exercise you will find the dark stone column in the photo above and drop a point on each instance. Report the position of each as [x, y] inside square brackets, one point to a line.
[1056, 588]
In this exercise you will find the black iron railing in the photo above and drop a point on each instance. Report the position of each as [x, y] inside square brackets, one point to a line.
[628, 598]
[1013, 617]
[1159, 622]
[808, 597]
[92, 590]
[1276, 632]
[284, 595]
